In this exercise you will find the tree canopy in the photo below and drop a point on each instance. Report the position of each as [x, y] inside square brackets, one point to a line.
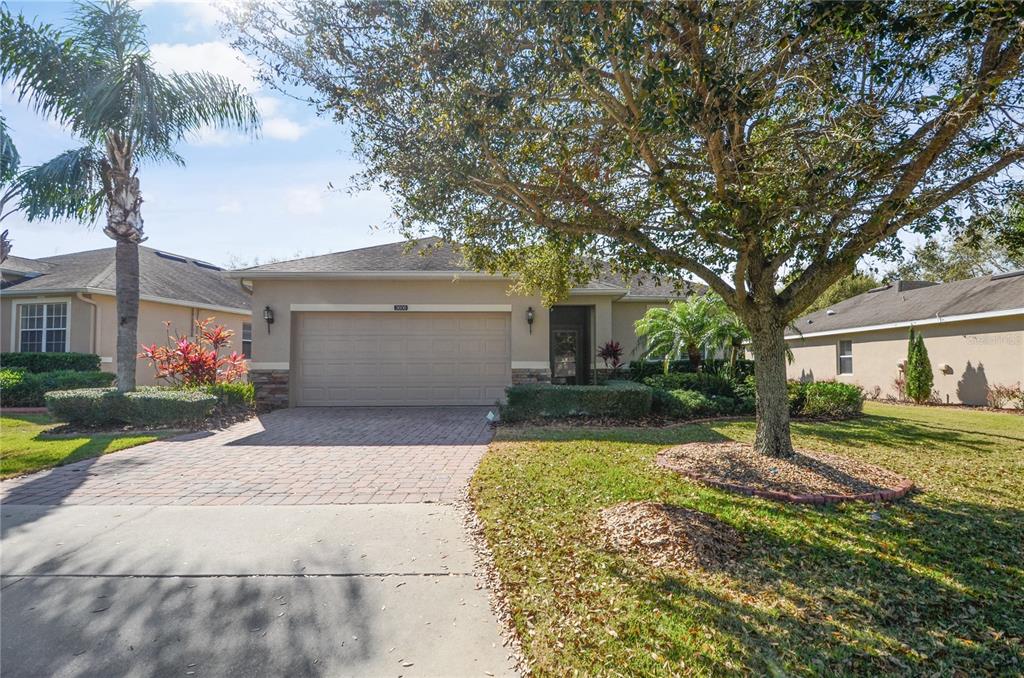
[736, 140]
[763, 147]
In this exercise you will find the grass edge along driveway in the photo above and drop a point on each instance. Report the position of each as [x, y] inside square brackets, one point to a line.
[933, 585]
[25, 446]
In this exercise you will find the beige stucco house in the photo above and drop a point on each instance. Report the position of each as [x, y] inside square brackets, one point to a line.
[66, 303]
[973, 330]
[410, 324]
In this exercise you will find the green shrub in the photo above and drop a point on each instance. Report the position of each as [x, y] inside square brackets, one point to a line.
[664, 404]
[231, 395]
[703, 382]
[796, 394]
[640, 369]
[144, 407]
[51, 362]
[833, 399]
[619, 399]
[19, 388]
[693, 404]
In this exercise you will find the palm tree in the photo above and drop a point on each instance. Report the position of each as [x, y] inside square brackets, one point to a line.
[9, 188]
[685, 327]
[100, 82]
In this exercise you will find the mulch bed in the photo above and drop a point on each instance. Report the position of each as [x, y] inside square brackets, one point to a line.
[662, 535]
[806, 478]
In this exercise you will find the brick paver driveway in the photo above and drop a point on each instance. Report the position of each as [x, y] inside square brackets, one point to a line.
[297, 456]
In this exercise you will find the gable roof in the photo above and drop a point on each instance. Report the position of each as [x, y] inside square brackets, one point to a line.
[432, 257]
[171, 278]
[905, 303]
[23, 266]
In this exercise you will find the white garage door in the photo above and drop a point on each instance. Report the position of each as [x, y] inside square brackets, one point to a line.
[401, 358]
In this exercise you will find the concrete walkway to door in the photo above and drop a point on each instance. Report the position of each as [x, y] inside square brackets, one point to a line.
[136, 586]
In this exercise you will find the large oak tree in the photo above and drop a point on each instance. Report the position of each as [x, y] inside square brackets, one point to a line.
[764, 147]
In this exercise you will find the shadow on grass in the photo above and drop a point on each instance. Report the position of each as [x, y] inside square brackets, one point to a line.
[882, 431]
[925, 590]
[670, 435]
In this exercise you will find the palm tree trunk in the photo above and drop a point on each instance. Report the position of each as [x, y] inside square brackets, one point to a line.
[126, 272]
[693, 353]
[124, 226]
[772, 437]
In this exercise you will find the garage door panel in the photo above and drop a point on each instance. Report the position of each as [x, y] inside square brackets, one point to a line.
[401, 359]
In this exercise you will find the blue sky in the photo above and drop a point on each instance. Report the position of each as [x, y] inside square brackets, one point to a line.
[237, 199]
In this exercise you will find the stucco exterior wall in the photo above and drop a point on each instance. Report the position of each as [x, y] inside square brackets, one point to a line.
[273, 350]
[79, 321]
[101, 338]
[979, 353]
[624, 316]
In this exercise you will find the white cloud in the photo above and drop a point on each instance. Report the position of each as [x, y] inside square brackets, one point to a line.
[305, 200]
[222, 59]
[215, 57]
[283, 129]
[230, 207]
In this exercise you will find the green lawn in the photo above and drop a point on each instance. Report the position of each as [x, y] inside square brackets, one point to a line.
[934, 586]
[25, 447]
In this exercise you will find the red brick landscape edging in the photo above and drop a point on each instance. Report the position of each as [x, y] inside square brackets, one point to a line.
[891, 494]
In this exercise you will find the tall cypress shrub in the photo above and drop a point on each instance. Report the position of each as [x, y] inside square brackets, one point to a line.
[919, 369]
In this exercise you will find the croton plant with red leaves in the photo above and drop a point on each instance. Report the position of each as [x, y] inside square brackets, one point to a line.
[196, 361]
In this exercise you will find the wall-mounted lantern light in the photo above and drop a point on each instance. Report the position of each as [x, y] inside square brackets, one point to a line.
[268, 315]
[529, 318]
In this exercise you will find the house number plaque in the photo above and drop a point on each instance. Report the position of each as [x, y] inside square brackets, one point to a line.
[401, 307]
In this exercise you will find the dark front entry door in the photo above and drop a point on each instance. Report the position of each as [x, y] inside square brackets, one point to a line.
[570, 345]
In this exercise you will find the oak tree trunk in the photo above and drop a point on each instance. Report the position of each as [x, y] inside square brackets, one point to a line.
[769, 346]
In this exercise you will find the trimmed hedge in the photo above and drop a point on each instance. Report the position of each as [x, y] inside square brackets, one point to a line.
[231, 395]
[51, 362]
[144, 407]
[704, 382]
[832, 399]
[639, 369]
[619, 399]
[19, 388]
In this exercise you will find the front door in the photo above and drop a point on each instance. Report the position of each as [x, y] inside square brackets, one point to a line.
[570, 345]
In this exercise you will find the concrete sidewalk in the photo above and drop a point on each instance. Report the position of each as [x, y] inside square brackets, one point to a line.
[343, 590]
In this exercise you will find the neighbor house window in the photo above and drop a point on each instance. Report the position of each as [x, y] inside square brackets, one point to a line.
[846, 357]
[247, 340]
[44, 328]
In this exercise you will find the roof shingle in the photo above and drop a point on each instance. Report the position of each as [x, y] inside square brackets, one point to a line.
[909, 301]
[161, 274]
[432, 255]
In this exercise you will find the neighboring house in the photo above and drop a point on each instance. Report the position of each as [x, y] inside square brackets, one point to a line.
[973, 330]
[66, 303]
[403, 324]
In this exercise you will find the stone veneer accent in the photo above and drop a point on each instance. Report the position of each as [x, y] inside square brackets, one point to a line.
[271, 388]
[531, 375]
